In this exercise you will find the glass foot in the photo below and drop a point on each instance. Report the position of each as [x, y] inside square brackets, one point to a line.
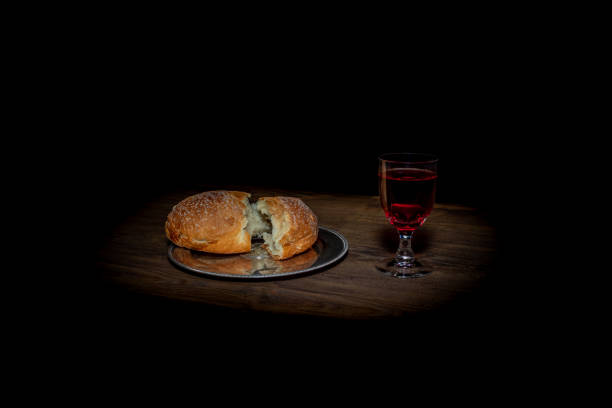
[402, 270]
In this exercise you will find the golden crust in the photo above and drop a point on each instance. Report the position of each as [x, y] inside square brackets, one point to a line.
[296, 219]
[212, 221]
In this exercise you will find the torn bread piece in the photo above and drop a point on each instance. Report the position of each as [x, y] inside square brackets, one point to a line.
[294, 226]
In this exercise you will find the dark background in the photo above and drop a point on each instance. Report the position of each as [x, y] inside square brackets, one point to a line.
[146, 114]
[295, 141]
[141, 125]
[298, 129]
[300, 138]
[126, 116]
[307, 112]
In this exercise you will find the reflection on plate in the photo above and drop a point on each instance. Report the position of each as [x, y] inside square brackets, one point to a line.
[329, 247]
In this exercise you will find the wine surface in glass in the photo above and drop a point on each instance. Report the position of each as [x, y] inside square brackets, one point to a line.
[407, 196]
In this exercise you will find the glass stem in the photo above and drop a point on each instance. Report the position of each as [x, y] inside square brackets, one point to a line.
[404, 257]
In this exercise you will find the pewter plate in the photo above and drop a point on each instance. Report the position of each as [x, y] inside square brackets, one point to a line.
[330, 247]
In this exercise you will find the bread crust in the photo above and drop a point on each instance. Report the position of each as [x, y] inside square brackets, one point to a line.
[212, 221]
[297, 220]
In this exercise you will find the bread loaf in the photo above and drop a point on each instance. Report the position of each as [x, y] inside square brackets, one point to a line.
[224, 222]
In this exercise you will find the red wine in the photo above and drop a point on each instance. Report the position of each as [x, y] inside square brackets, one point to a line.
[407, 196]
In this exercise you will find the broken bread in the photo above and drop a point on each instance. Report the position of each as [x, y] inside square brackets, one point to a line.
[294, 226]
[224, 222]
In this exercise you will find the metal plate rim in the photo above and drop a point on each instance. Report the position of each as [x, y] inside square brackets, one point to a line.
[345, 248]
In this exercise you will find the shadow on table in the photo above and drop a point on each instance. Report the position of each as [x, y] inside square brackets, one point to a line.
[113, 310]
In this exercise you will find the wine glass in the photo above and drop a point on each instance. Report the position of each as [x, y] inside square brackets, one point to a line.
[407, 185]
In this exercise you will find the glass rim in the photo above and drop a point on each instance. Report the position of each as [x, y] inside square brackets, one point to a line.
[427, 158]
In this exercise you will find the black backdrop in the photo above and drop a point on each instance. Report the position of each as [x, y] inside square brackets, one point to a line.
[141, 133]
[154, 116]
[132, 123]
[141, 148]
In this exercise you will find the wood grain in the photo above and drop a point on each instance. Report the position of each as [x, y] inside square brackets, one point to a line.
[456, 241]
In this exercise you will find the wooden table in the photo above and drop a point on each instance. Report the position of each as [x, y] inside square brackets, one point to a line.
[456, 241]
